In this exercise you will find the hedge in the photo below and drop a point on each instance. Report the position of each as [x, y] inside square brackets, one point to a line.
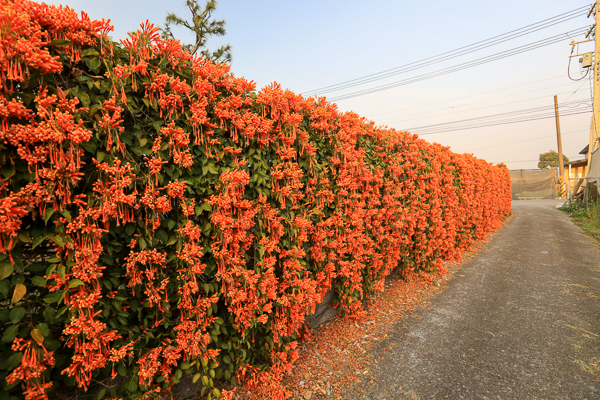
[161, 217]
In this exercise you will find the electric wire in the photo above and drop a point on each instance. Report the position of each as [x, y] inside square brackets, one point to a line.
[524, 141]
[497, 120]
[503, 114]
[569, 69]
[528, 29]
[409, 67]
[430, 113]
[575, 92]
[459, 67]
[418, 66]
[437, 42]
[513, 121]
[518, 161]
[472, 95]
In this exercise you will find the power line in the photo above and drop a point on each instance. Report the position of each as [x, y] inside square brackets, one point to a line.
[527, 140]
[459, 67]
[438, 42]
[499, 123]
[472, 95]
[430, 113]
[453, 53]
[504, 162]
[496, 123]
[410, 67]
[577, 90]
[516, 112]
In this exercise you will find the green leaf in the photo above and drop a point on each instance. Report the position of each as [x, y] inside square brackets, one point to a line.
[73, 283]
[62, 311]
[84, 98]
[50, 270]
[38, 281]
[66, 214]
[100, 156]
[10, 334]
[94, 64]
[132, 385]
[61, 296]
[49, 314]
[6, 270]
[93, 110]
[60, 42]
[129, 230]
[37, 241]
[206, 206]
[13, 361]
[51, 298]
[24, 237]
[16, 314]
[58, 240]
[48, 214]
[101, 393]
[4, 288]
[52, 344]
[8, 171]
[162, 235]
[212, 169]
[171, 224]
[42, 326]
[90, 52]
[196, 377]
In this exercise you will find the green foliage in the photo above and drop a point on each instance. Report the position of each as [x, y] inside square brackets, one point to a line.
[550, 160]
[181, 222]
[588, 220]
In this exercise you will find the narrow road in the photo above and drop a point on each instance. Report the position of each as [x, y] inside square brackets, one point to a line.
[520, 320]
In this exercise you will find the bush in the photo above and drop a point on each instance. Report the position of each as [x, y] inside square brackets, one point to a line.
[159, 216]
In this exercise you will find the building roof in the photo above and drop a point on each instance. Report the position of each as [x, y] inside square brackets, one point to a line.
[576, 162]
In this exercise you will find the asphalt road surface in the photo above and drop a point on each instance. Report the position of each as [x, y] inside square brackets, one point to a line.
[520, 320]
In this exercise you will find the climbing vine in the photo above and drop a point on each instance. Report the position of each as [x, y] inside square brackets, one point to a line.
[160, 217]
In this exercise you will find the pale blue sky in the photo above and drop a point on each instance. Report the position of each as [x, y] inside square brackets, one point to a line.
[307, 45]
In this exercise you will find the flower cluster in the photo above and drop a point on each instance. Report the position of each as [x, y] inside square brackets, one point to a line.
[159, 216]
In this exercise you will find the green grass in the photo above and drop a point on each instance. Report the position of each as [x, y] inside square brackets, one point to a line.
[588, 221]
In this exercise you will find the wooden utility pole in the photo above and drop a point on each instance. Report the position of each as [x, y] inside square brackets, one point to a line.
[561, 164]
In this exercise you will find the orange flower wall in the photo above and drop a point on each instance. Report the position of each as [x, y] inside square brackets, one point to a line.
[160, 217]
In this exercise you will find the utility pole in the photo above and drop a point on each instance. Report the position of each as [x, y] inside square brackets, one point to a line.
[596, 113]
[561, 164]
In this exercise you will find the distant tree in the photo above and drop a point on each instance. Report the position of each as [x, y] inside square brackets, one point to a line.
[202, 27]
[550, 160]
